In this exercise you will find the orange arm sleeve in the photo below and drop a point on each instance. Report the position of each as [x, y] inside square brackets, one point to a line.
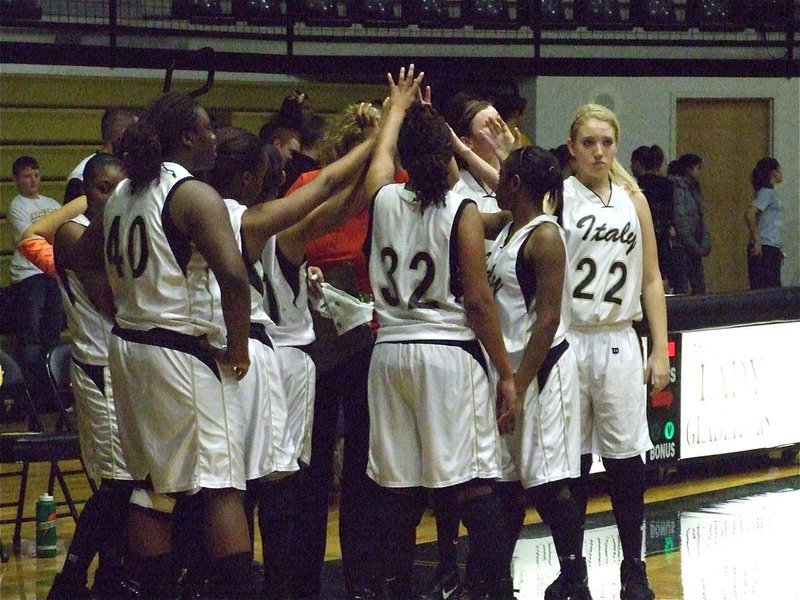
[40, 252]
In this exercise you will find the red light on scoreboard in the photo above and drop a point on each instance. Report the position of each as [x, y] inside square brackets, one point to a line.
[662, 398]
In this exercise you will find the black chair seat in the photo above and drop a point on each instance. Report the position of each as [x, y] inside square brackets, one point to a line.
[34, 446]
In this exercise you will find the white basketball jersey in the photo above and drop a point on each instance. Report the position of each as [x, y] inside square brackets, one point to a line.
[469, 187]
[254, 270]
[413, 267]
[513, 283]
[89, 328]
[604, 249]
[158, 278]
[286, 298]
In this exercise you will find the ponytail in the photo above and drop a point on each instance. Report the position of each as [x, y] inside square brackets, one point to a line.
[140, 151]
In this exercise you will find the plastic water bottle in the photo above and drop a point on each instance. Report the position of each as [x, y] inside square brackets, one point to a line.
[46, 537]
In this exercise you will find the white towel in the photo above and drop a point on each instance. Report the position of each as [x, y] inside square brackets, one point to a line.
[346, 311]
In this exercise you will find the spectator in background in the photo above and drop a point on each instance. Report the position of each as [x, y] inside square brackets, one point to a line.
[673, 169]
[512, 108]
[314, 127]
[40, 317]
[693, 237]
[638, 159]
[566, 161]
[658, 190]
[763, 216]
[115, 121]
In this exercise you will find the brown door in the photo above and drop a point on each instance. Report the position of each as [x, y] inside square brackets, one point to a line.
[730, 135]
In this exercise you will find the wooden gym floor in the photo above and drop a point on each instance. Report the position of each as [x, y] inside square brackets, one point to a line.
[720, 530]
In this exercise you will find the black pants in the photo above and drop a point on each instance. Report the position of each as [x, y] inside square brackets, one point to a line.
[765, 270]
[345, 386]
[692, 279]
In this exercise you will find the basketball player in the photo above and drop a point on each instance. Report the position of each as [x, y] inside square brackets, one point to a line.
[174, 367]
[613, 260]
[432, 416]
[470, 124]
[499, 140]
[240, 171]
[528, 275]
[98, 527]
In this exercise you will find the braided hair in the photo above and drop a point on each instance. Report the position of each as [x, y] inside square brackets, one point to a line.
[145, 143]
[540, 173]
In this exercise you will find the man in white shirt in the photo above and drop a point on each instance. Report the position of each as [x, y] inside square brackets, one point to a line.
[40, 316]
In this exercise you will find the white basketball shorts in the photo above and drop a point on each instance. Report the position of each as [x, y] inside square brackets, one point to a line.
[97, 422]
[432, 415]
[613, 394]
[179, 417]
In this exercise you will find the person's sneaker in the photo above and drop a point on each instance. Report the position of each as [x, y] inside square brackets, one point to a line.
[113, 584]
[502, 590]
[68, 588]
[571, 584]
[633, 575]
[362, 592]
[561, 589]
[446, 585]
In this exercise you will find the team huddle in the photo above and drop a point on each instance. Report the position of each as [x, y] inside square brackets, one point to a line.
[504, 354]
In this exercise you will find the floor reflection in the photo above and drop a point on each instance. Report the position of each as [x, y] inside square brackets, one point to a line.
[735, 544]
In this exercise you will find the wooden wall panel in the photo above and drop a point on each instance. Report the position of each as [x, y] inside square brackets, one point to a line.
[8, 190]
[56, 118]
[50, 125]
[7, 245]
[100, 92]
[5, 265]
[55, 162]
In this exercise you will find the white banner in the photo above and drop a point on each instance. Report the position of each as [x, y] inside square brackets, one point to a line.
[738, 389]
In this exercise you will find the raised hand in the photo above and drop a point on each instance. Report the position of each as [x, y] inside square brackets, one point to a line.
[424, 96]
[367, 118]
[502, 138]
[459, 147]
[404, 92]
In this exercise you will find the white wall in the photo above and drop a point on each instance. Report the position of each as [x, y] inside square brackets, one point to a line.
[646, 109]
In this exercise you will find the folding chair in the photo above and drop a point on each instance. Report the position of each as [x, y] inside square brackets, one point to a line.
[59, 360]
[34, 445]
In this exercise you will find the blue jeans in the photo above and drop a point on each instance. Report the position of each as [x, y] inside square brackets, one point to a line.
[40, 320]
